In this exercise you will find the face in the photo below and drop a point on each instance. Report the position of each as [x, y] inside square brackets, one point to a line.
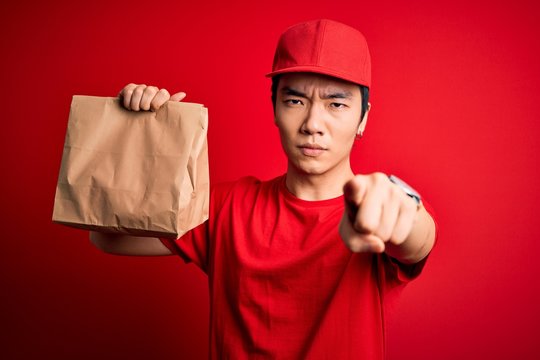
[318, 119]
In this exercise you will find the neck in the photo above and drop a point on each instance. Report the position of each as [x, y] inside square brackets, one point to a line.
[313, 187]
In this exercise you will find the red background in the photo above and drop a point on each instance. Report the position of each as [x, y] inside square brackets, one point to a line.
[455, 112]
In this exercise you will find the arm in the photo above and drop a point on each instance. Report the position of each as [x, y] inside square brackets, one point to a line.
[385, 219]
[117, 244]
[136, 98]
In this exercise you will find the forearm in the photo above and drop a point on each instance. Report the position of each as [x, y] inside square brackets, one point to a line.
[418, 243]
[118, 244]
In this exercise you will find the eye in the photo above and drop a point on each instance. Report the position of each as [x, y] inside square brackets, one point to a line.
[336, 105]
[293, 102]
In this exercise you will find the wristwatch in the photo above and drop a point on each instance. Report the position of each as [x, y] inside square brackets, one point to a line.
[407, 188]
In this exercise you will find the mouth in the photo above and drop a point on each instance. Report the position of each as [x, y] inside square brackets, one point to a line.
[312, 150]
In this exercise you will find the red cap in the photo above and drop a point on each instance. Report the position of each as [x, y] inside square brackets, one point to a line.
[324, 47]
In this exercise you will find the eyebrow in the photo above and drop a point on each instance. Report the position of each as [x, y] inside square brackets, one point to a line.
[332, 95]
[338, 95]
[290, 91]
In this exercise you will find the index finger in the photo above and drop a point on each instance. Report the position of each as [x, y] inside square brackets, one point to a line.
[125, 94]
[354, 192]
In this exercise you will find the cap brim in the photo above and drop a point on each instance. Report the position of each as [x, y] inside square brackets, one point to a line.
[319, 70]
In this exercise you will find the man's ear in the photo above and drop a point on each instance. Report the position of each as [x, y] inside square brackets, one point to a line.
[362, 126]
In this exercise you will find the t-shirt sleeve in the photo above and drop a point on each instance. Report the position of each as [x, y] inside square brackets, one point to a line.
[397, 273]
[192, 246]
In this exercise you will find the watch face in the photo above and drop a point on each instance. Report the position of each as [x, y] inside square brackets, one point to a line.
[408, 189]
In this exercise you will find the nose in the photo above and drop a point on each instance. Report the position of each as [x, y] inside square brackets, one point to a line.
[314, 122]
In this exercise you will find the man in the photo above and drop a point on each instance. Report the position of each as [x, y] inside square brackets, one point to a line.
[301, 266]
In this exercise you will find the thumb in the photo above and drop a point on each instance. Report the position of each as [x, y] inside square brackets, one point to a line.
[179, 96]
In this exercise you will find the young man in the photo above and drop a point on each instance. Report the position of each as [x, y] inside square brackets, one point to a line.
[301, 266]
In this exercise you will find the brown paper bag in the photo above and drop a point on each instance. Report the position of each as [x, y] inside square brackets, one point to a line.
[140, 173]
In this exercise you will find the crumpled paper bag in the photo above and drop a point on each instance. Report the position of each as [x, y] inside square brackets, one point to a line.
[139, 173]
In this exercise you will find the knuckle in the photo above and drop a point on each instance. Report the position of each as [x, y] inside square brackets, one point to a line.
[360, 179]
[365, 224]
[128, 92]
[164, 92]
[379, 177]
[398, 239]
[138, 91]
[128, 88]
[395, 192]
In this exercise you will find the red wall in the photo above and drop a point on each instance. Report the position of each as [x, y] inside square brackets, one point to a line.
[455, 112]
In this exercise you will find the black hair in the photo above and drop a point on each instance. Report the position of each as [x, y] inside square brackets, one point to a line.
[364, 90]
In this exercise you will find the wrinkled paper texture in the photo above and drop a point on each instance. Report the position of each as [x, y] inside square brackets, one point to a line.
[140, 173]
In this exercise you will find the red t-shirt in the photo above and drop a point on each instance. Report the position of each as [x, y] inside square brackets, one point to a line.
[282, 283]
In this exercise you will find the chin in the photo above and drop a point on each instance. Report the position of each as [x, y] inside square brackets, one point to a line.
[319, 166]
[310, 168]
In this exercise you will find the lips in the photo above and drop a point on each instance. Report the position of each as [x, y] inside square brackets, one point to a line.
[311, 150]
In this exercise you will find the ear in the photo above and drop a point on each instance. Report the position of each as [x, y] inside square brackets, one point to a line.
[362, 125]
